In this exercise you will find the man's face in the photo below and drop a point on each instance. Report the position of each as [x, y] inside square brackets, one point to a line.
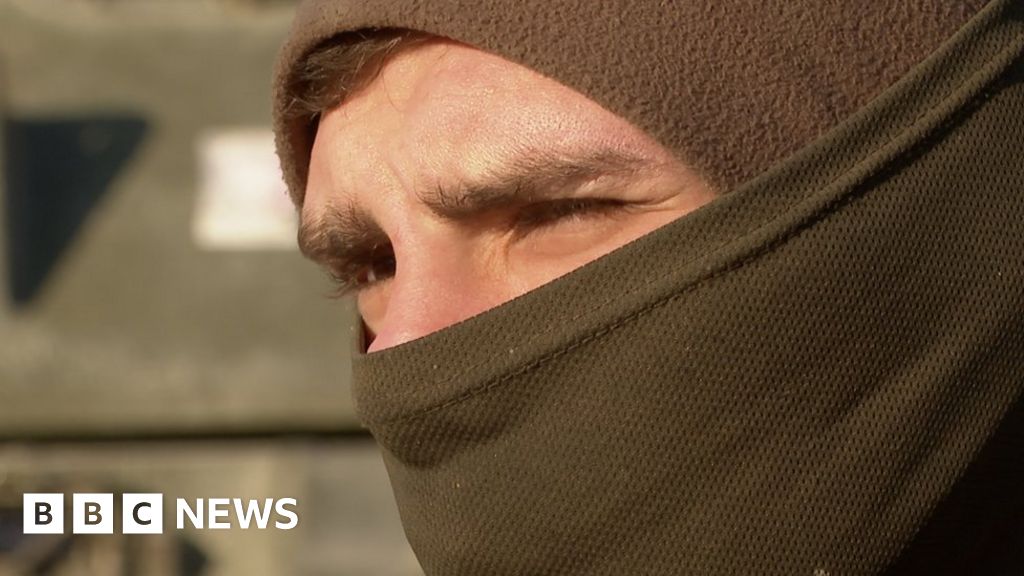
[457, 180]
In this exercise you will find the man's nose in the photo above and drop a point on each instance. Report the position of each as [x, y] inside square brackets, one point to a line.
[435, 286]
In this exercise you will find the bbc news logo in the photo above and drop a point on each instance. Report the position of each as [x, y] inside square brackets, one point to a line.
[144, 513]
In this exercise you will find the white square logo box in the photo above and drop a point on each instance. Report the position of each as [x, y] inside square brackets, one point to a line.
[92, 514]
[142, 513]
[43, 514]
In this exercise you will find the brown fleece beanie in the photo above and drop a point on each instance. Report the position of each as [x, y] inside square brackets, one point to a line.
[732, 86]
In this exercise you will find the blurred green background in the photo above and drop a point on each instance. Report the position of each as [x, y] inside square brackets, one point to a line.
[159, 331]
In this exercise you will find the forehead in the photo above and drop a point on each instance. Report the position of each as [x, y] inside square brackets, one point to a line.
[442, 114]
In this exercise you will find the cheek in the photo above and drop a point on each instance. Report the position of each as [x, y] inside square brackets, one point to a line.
[536, 261]
[544, 256]
[569, 241]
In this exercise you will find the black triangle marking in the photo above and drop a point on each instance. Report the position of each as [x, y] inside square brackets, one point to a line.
[57, 171]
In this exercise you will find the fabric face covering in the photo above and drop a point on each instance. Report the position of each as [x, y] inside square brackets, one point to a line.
[818, 373]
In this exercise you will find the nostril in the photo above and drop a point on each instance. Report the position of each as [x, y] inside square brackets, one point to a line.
[387, 338]
[377, 343]
[366, 336]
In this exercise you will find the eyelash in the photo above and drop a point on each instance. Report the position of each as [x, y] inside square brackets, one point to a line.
[540, 215]
[528, 220]
[347, 280]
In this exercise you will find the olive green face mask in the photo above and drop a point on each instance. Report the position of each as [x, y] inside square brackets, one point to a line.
[815, 374]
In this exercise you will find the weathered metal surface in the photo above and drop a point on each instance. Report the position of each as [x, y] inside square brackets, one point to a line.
[135, 328]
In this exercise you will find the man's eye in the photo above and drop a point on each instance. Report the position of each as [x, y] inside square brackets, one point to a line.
[377, 270]
[566, 210]
[356, 276]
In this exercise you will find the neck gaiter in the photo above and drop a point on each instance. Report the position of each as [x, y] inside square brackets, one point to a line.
[816, 374]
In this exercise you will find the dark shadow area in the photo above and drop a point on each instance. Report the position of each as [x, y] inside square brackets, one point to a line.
[57, 170]
[979, 528]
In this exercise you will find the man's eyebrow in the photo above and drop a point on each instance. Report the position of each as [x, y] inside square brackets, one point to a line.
[529, 177]
[344, 238]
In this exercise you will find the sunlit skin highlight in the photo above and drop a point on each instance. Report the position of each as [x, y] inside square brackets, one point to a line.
[457, 180]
